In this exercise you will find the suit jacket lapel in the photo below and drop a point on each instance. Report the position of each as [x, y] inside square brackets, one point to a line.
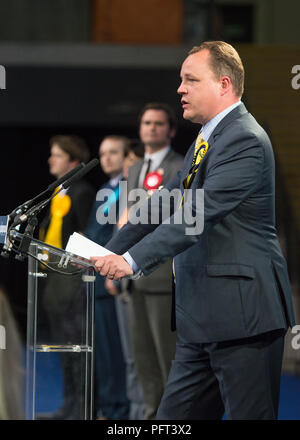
[231, 116]
[165, 165]
[136, 169]
[135, 173]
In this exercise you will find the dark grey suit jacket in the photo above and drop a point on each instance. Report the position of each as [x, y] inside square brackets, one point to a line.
[232, 279]
[159, 281]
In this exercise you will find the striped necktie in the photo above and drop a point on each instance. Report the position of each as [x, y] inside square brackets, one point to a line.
[200, 149]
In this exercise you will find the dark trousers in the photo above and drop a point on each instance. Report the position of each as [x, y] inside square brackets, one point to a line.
[153, 344]
[110, 379]
[133, 386]
[240, 378]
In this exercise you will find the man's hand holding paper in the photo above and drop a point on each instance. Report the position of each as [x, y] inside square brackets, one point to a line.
[106, 263]
[114, 267]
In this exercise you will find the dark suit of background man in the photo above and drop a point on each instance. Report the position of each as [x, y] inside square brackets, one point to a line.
[111, 400]
[233, 299]
[151, 296]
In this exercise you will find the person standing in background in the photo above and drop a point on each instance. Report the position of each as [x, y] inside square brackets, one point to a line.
[61, 298]
[110, 372]
[150, 297]
[121, 292]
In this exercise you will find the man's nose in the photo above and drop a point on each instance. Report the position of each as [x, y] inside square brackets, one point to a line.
[181, 89]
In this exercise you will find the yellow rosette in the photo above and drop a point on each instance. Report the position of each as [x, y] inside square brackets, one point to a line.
[60, 206]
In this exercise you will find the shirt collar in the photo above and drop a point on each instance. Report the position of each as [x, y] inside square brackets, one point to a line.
[115, 180]
[209, 127]
[159, 155]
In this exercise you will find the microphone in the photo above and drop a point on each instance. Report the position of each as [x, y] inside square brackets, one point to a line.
[25, 206]
[84, 170]
[80, 173]
[66, 176]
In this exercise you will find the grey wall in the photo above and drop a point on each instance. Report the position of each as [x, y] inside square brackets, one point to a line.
[45, 20]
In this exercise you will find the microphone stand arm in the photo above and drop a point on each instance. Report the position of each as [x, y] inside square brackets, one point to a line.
[26, 239]
[32, 222]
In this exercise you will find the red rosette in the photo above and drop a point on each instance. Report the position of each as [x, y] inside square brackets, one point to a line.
[153, 181]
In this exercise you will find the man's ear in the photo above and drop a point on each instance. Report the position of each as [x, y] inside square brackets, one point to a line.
[225, 83]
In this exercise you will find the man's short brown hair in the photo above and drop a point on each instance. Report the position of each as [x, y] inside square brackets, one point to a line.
[159, 106]
[224, 61]
[119, 138]
[74, 146]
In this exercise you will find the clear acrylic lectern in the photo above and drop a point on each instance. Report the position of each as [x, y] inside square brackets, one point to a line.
[60, 329]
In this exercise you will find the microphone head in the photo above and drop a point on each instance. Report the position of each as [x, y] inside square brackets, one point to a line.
[67, 176]
[90, 165]
[81, 173]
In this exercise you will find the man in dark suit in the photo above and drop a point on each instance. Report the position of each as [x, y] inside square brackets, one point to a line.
[151, 296]
[233, 299]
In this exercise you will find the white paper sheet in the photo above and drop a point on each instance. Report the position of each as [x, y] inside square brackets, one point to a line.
[82, 246]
